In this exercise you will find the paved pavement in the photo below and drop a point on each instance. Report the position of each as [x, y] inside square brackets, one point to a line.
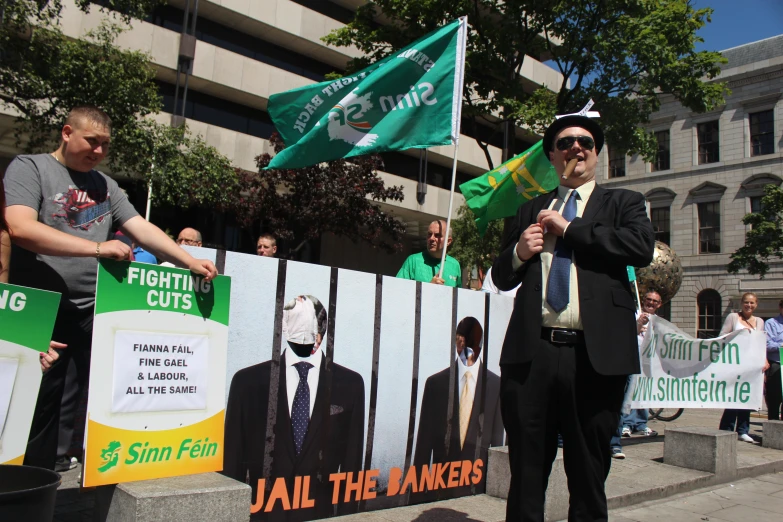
[757, 499]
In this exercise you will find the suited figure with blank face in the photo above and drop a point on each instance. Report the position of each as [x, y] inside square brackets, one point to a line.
[318, 428]
[438, 440]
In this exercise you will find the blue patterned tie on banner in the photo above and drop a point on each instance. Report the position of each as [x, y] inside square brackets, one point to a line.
[300, 410]
[558, 284]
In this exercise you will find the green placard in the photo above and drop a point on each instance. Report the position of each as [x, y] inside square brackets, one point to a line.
[27, 316]
[126, 285]
[631, 273]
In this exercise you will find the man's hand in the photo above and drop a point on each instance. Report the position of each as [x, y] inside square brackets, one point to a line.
[115, 250]
[766, 366]
[552, 222]
[531, 242]
[641, 323]
[48, 358]
[204, 267]
[437, 281]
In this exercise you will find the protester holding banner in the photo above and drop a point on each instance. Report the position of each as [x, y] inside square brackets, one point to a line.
[774, 398]
[425, 266]
[743, 320]
[61, 212]
[571, 340]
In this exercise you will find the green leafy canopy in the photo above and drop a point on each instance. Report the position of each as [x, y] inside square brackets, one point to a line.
[43, 73]
[624, 54]
[765, 239]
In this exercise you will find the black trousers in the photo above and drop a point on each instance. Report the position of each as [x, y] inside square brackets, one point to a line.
[774, 395]
[57, 405]
[559, 391]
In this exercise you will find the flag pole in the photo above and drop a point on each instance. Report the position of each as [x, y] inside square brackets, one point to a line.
[149, 196]
[459, 83]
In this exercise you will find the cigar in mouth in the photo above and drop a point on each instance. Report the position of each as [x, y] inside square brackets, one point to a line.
[570, 168]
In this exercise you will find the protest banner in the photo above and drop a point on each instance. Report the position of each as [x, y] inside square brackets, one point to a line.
[384, 419]
[680, 371]
[27, 317]
[157, 374]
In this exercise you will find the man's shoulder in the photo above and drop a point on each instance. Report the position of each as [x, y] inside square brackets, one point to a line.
[452, 261]
[346, 374]
[28, 160]
[253, 373]
[418, 257]
[620, 193]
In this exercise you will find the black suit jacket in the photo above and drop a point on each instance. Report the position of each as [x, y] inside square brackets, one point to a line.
[613, 232]
[334, 440]
[433, 421]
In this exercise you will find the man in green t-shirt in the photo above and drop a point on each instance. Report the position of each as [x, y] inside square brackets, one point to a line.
[425, 266]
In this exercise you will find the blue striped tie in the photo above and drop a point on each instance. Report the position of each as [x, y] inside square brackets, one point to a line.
[558, 284]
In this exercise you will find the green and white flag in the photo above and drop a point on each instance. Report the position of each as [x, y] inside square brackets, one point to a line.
[410, 99]
[499, 193]
[27, 319]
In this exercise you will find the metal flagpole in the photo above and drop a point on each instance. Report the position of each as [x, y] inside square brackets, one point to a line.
[149, 196]
[459, 83]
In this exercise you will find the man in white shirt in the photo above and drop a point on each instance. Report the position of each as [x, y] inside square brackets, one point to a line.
[460, 426]
[315, 411]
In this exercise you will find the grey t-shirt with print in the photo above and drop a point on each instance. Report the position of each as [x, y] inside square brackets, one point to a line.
[82, 204]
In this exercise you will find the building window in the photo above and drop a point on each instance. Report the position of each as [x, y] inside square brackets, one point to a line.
[709, 227]
[762, 133]
[708, 302]
[661, 161]
[665, 311]
[616, 163]
[660, 221]
[756, 205]
[709, 151]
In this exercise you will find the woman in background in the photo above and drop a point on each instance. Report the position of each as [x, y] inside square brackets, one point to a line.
[742, 320]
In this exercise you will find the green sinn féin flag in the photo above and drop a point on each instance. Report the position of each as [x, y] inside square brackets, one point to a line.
[500, 192]
[407, 100]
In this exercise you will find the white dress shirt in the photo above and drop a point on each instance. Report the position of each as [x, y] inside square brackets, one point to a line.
[570, 317]
[463, 370]
[292, 376]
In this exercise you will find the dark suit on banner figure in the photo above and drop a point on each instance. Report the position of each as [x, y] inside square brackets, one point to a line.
[435, 442]
[571, 340]
[315, 434]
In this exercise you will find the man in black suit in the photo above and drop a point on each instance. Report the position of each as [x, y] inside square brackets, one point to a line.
[318, 421]
[472, 381]
[571, 340]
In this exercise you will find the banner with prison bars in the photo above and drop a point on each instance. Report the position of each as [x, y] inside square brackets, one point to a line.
[680, 371]
[385, 387]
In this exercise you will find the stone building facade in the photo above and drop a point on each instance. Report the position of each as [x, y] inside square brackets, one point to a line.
[711, 170]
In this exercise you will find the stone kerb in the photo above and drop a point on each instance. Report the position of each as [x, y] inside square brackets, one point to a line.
[703, 449]
[499, 479]
[773, 434]
[207, 496]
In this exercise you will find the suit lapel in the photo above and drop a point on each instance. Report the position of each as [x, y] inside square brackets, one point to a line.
[473, 425]
[283, 414]
[596, 201]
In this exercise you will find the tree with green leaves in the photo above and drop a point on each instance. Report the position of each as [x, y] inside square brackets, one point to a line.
[338, 197]
[470, 248]
[623, 54]
[765, 239]
[43, 73]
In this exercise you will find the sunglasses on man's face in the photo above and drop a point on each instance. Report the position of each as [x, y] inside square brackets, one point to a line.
[586, 142]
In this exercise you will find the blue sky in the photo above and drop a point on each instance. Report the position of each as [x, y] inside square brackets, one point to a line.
[737, 22]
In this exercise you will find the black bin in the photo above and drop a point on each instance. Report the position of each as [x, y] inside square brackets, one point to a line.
[27, 493]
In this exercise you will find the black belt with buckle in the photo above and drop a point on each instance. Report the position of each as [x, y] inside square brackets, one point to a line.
[563, 336]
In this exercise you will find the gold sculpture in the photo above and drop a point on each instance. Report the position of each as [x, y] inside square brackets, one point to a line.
[664, 274]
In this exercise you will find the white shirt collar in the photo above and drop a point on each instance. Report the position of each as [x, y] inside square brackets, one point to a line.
[315, 359]
[473, 370]
[584, 191]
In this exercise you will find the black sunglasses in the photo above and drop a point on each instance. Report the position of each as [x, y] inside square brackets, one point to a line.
[586, 142]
